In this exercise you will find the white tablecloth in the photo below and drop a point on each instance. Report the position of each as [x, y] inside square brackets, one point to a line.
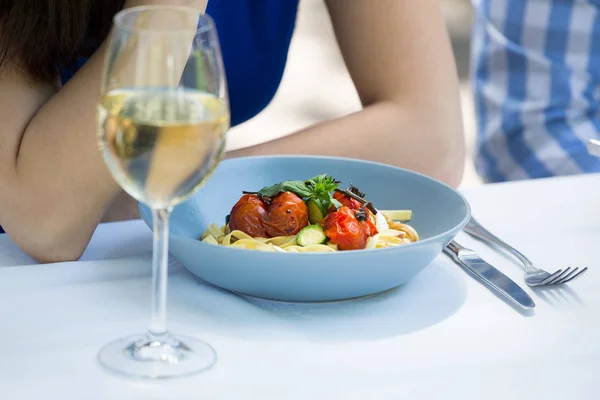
[443, 335]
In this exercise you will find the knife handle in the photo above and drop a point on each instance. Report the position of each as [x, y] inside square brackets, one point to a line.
[453, 249]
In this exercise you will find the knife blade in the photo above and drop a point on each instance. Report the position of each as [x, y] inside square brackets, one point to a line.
[496, 280]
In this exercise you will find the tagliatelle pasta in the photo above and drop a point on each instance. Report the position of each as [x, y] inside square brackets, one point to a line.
[313, 216]
[223, 236]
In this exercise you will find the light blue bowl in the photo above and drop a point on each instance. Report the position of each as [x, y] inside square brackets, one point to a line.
[439, 213]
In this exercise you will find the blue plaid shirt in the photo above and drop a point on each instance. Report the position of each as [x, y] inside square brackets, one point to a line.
[536, 83]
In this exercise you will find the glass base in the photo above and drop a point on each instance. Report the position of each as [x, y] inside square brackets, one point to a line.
[167, 356]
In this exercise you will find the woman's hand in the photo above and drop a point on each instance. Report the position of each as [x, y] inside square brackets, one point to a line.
[399, 57]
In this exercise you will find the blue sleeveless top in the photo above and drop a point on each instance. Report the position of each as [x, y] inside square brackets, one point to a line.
[255, 38]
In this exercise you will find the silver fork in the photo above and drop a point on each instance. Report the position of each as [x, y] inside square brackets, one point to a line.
[533, 275]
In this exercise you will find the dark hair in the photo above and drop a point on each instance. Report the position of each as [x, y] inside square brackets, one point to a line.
[43, 35]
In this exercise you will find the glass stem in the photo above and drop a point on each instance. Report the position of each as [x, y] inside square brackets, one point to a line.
[160, 266]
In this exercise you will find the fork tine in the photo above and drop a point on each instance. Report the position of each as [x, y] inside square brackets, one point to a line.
[550, 278]
[566, 277]
[575, 276]
[559, 277]
[543, 281]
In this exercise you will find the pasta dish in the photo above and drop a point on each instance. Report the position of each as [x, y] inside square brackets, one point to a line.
[310, 216]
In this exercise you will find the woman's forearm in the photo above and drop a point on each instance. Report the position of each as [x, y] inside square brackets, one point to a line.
[60, 187]
[57, 188]
[399, 57]
[415, 138]
[400, 60]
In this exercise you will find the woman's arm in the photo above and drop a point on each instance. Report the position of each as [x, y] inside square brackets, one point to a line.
[399, 57]
[54, 185]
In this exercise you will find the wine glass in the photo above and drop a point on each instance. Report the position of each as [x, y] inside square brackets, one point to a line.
[162, 117]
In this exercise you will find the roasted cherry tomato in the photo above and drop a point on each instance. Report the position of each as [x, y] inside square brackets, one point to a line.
[368, 225]
[248, 215]
[286, 215]
[342, 228]
[347, 201]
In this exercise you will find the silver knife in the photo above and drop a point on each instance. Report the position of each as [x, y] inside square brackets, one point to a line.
[495, 279]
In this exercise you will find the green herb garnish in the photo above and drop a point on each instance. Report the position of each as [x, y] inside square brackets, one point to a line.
[320, 188]
[299, 188]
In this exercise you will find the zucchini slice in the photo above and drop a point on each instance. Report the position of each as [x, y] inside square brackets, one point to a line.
[316, 211]
[310, 235]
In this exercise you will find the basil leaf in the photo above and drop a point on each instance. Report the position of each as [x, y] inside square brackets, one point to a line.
[322, 183]
[299, 188]
[320, 188]
[319, 179]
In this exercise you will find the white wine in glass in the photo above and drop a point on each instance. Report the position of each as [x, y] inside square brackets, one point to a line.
[163, 115]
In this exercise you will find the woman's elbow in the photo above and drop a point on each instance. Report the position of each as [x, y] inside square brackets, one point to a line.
[447, 163]
[451, 171]
[50, 244]
[447, 149]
